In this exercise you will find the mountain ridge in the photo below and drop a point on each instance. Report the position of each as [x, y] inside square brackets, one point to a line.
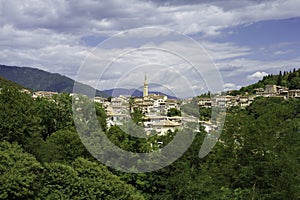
[40, 80]
[37, 79]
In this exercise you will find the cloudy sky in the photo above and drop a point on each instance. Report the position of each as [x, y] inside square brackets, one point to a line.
[242, 40]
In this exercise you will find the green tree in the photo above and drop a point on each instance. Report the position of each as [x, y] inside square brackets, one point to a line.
[101, 116]
[137, 116]
[63, 146]
[83, 180]
[59, 181]
[295, 83]
[173, 112]
[18, 172]
[18, 121]
[99, 183]
[55, 113]
[279, 79]
[205, 113]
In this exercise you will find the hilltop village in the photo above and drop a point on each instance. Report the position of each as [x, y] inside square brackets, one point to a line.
[162, 114]
[156, 108]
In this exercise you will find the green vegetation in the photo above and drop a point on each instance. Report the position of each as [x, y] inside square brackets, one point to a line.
[42, 157]
[135, 113]
[7, 83]
[205, 113]
[173, 112]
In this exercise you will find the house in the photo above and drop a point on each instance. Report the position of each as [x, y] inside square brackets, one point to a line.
[271, 89]
[171, 103]
[43, 94]
[245, 101]
[208, 126]
[161, 124]
[116, 119]
[100, 100]
[162, 127]
[294, 93]
[205, 102]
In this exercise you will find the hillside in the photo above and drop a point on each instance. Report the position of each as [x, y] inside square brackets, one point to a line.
[43, 157]
[7, 83]
[36, 79]
[290, 79]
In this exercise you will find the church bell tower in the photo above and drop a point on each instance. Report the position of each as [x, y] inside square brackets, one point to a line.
[145, 93]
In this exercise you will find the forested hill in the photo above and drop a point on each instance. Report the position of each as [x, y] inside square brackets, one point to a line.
[7, 83]
[36, 79]
[42, 156]
[289, 79]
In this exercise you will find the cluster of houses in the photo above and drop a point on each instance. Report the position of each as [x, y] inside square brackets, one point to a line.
[278, 91]
[154, 108]
[245, 100]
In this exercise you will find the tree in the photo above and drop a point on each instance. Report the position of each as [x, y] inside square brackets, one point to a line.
[18, 172]
[279, 79]
[55, 113]
[137, 116]
[59, 181]
[205, 113]
[295, 83]
[99, 183]
[173, 112]
[101, 115]
[18, 121]
[83, 180]
[63, 146]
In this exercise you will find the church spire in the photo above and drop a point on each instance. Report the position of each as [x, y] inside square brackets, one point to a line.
[145, 93]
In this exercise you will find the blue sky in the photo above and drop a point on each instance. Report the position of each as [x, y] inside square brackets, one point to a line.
[270, 40]
[245, 39]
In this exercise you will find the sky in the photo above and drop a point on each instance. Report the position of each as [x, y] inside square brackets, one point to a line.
[114, 43]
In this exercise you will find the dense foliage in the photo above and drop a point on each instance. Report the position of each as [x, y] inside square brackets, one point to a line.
[173, 112]
[42, 157]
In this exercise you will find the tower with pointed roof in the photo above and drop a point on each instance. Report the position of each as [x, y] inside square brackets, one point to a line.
[145, 93]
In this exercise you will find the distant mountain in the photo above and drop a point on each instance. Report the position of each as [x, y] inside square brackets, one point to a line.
[131, 92]
[39, 80]
[36, 79]
[122, 91]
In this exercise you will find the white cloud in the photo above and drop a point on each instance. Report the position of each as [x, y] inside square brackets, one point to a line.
[258, 75]
[280, 52]
[91, 17]
[49, 35]
[168, 63]
[231, 86]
